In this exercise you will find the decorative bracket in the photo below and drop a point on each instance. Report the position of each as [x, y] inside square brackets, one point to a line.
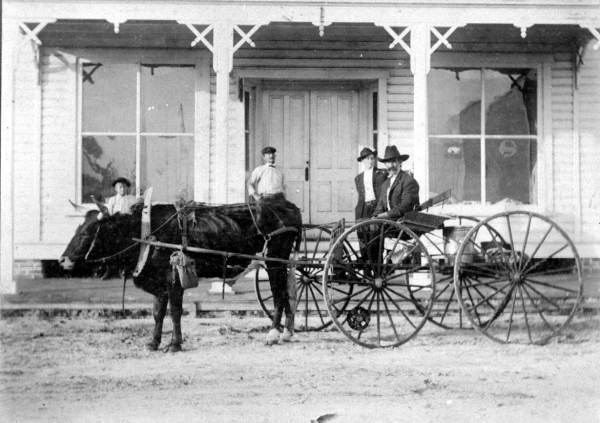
[116, 21]
[322, 22]
[442, 38]
[523, 27]
[32, 34]
[399, 38]
[200, 36]
[596, 35]
[245, 36]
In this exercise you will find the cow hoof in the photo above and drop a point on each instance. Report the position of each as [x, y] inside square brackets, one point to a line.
[152, 345]
[272, 337]
[175, 348]
[286, 336]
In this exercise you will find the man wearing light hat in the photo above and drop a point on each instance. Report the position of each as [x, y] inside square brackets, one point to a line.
[266, 181]
[400, 192]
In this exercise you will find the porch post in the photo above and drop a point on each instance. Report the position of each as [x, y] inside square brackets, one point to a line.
[222, 64]
[10, 38]
[420, 44]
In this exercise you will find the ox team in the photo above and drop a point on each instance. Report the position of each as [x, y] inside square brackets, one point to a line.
[382, 193]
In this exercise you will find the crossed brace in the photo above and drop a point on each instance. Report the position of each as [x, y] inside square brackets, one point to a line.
[201, 36]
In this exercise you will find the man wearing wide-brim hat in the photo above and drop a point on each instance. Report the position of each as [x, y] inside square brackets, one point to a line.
[400, 192]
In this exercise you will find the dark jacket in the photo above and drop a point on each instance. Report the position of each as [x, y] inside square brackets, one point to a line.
[379, 177]
[404, 196]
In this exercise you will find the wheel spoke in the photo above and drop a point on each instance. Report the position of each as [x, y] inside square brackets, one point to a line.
[548, 300]
[500, 247]
[554, 271]
[486, 299]
[397, 307]
[512, 312]
[378, 320]
[316, 304]
[472, 302]
[538, 246]
[488, 284]
[426, 235]
[387, 310]
[551, 286]
[399, 294]
[537, 309]
[480, 269]
[408, 271]
[339, 300]
[525, 242]
[317, 244]
[447, 306]
[512, 243]
[546, 259]
[525, 314]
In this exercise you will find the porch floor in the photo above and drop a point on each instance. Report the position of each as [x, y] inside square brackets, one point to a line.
[89, 294]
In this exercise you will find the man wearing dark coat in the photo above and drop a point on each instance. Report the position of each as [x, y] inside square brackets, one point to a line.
[400, 192]
[368, 184]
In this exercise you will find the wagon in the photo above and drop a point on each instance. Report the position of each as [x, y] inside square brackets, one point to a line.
[514, 277]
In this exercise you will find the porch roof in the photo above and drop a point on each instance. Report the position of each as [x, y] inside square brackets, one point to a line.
[297, 40]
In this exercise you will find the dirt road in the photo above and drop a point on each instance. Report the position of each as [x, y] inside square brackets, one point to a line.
[97, 370]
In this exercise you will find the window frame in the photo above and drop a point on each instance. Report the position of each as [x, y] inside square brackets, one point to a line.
[541, 63]
[138, 58]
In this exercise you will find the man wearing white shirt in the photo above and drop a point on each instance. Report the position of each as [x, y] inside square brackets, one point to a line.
[368, 186]
[266, 181]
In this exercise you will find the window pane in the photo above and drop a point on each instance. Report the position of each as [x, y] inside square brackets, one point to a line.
[510, 102]
[168, 167]
[511, 169]
[104, 158]
[454, 101]
[108, 103]
[167, 99]
[455, 164]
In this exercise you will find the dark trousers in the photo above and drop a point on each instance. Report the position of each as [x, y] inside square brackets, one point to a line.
[368, 246]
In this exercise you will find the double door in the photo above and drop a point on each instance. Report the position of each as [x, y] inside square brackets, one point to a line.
[316, 135]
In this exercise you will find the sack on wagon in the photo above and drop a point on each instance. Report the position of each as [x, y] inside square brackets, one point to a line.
[186, 269]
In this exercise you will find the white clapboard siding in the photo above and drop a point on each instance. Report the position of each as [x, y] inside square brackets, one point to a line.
[59, 142]
[589, 128]
[400, 112]
[26, 147]
[562, 138]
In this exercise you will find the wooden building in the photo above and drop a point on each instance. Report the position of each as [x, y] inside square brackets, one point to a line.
[498, 100]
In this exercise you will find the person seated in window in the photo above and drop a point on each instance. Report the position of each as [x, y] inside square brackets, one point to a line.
[400, 192]
[121, 202]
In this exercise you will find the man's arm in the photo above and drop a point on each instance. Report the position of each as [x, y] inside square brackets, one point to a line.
[252, 180]
[380, 209]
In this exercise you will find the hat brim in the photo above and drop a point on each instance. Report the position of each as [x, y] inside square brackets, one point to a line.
[123, 181]
[364, 156]
[401, 157]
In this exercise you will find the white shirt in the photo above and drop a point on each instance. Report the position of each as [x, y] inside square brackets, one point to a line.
[387, 194]
[368, 181]
[266, 179]
[120, 204]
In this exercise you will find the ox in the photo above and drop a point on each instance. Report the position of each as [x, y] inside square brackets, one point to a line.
[236, 228]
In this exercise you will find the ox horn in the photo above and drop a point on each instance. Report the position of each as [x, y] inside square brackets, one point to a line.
[77, 207]
[101, 206]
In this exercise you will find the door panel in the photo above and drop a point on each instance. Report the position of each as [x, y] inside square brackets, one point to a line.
[286, 120]
[334, 141]
[320, 127]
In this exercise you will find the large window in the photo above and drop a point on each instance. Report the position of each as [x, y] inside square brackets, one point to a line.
[137, 122]
[483, 134]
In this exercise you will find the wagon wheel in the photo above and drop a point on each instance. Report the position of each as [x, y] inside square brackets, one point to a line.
[446, 312]
[311, 314]
[387, 266]
[524, 287]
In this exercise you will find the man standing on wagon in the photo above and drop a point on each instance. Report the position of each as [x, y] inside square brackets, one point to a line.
[400, 192]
